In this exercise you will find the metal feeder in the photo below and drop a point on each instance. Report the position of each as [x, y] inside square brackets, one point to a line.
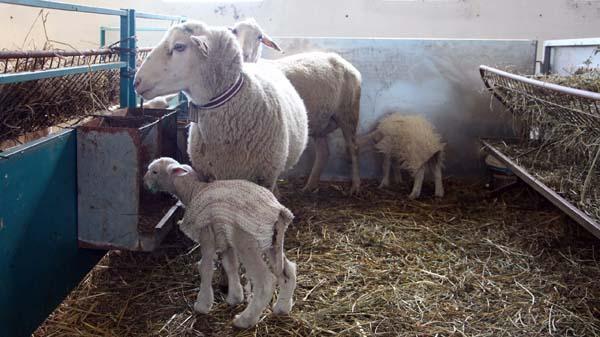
[115, 211]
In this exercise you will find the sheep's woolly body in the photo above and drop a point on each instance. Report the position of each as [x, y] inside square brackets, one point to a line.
[411, 140]
[253, 209]
[258, 134]
[329, 86]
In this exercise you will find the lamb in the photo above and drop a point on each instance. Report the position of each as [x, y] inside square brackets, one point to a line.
[248, 120]
[237, 219]
[330, 87]
[415, 146]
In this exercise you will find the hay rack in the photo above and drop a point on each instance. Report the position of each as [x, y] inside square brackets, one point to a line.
[577, 111]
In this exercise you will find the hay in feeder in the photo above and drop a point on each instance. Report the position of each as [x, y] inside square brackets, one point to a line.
[375, 264]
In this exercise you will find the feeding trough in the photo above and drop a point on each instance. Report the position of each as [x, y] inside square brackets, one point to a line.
[115, 210]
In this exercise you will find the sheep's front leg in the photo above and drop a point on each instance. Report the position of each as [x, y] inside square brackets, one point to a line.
[260, 278]
[321, 155]
[287, 284]
[416, 191]
[235, 293]
[205, 297]
[387, 167]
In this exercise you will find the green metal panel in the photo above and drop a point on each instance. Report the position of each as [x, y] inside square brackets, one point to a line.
[39, 258]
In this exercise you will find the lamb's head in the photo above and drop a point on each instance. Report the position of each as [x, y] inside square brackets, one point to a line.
[192, 57]
[162, 172]
[251, 36]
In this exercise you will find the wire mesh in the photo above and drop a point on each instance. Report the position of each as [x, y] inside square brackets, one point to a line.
[26, 107]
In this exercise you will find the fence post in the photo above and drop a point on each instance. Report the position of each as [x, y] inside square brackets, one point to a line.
[102, 37]
[127, 55]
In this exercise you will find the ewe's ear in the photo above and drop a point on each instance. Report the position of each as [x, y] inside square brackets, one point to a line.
[202, 44]
[266, 40]
[177, 170]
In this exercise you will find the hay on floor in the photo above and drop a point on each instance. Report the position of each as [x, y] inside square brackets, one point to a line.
[376, 264]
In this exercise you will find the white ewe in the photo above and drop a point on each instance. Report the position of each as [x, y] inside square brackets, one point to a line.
[415, 146]
[250, 122]
[238, 219]
[330, 88]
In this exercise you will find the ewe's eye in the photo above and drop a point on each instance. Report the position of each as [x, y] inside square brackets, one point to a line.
[234, 31]
[154, 172]
[179, 47]
[260, 37]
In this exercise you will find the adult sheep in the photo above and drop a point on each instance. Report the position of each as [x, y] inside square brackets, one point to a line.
[330, 88]
[250, 122]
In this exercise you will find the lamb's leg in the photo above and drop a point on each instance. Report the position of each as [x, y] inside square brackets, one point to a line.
[205, 297]
[349, 133]
[387, 167]
[321, 155]
[261, 280]
[416, 191]
[437, 173]
[287, 284]
[235, 293]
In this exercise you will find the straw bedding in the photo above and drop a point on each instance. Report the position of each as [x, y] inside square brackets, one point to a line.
[374, 264]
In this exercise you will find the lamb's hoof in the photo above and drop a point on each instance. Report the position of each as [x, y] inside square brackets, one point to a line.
[242, 322]
[439, 194]
[282, 307]
[203, 304]
[202, 308]
[235, 298]
[310, 189]
[383, 186]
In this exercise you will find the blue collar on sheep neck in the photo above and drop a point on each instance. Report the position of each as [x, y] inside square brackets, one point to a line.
[222, 98]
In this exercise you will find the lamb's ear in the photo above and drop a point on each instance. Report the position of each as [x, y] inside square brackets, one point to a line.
[266, 40]
[177, 170]
[202, 43]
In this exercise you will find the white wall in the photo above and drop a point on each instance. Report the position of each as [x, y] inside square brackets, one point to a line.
[496, 19]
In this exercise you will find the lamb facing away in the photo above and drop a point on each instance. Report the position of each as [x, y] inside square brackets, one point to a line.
[330, 88]
[237, 219]
[250, 124]
[414, 145]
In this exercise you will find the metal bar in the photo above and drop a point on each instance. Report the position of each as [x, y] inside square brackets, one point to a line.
[102, 37]
[558, 201]
[124, 45]
[544, 85]
[50, 53]
[131, 58]
[545, 69]
[588, 42]
[139, 29]
[36, 75]
[142, 15]
[65, 7]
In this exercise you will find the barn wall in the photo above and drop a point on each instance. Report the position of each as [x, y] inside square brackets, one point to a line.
[496, 19]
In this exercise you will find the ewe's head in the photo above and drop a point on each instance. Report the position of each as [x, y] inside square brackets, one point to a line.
[162, 172]
[192, 57]
[251, 36]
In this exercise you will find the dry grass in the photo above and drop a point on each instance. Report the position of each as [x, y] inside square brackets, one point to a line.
[376, 264]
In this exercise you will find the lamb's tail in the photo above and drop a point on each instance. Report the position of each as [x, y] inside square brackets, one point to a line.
[436, 160]
[281, 225]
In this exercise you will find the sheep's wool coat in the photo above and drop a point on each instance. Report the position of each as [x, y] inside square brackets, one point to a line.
[251, 208]
[329, 86]
[411, 139]
[258, 134]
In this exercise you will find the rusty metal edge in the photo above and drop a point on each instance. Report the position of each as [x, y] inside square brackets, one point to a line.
[573, 212]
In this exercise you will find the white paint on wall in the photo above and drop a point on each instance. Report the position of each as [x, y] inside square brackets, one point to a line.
[488, 19]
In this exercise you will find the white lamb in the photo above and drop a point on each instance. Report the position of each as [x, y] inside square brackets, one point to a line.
[330, 88]
[237, 219]
[415, 146]
[251, 124]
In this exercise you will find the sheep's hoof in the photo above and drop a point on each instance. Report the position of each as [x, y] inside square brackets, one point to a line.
[242, 322]
[413, 196]
[310, 189]
[355, 189]
[282, 307]
[383, 186]
[439, 195]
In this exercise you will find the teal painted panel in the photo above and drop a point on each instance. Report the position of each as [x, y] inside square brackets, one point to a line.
[39, 258]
